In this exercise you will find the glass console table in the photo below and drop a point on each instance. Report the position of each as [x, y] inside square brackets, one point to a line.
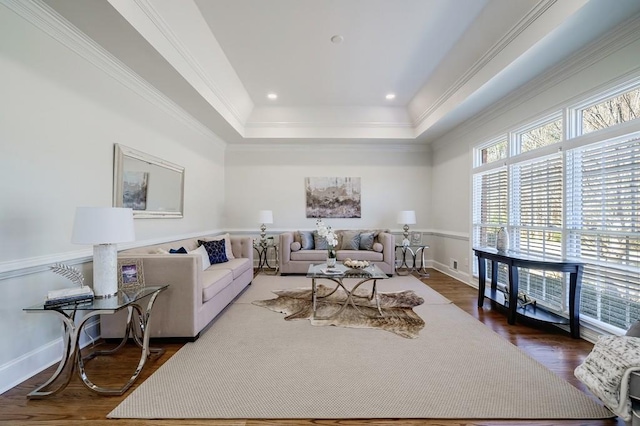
[71, 357]
[515, 260]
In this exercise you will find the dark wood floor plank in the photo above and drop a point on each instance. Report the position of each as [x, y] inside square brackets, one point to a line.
[77, 405]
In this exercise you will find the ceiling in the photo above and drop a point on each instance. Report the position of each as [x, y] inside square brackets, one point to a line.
[444, 60]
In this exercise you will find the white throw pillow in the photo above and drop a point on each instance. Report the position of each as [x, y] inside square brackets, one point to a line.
[205, 256]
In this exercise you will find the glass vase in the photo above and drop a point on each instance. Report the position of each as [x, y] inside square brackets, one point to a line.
[331, 258]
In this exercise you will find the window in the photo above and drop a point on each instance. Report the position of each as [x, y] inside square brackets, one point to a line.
[583, 204]
[616, 110]
[540, 136]
[536, 194]
[493, 152]
[604, 228]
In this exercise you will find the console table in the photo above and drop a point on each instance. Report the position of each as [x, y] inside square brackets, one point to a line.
[514, 261]
[71, 356]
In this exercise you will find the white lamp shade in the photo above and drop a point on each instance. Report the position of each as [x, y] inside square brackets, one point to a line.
[266, 216]
[407, 217]
[103, 225]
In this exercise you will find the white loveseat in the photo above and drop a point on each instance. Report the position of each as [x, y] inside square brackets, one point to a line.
[195, 296]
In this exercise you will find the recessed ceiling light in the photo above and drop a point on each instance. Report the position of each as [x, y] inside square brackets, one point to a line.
[272, 96]
[337, 39]
[390, 96]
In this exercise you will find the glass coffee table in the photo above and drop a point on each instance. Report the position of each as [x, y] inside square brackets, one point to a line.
[337, 274]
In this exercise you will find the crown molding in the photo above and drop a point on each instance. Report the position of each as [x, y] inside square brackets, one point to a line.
[328, 124]
[156, 19]
[46, 19]
[618, 38]
[534, 14]
[298, 146]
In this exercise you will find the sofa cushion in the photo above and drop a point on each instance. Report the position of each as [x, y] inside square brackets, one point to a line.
[295, 246]
[216, 250]
[214, 281]
[310, 255]
[237, 266]
[378, 247]
[204, 255]
[350, 240]
[366, 240]
[360, 255]
[306, 240]
[227, 244]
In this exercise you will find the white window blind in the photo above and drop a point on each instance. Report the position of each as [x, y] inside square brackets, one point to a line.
[490, 210]
[537, 201]
[490, 207]
[603, 225]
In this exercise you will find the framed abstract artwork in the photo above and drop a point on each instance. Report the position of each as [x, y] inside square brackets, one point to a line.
[333, 197]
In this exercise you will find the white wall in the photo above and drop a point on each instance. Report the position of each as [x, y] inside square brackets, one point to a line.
[60, 116]
[272, 178]
[612, 59]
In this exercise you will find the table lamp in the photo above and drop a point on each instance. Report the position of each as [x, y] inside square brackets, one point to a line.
[103, 227]
[406, 217]
[265, 216]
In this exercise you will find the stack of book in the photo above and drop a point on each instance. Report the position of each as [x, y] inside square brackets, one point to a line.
[69, 296]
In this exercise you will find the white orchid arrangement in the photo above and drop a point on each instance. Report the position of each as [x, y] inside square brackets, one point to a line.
[327, 233]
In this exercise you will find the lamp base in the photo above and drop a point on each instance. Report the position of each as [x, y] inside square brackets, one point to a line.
[105, 270]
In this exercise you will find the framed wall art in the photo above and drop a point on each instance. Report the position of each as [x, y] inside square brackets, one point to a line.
[333, 197]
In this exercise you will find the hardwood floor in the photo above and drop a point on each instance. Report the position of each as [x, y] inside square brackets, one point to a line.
[77, 405]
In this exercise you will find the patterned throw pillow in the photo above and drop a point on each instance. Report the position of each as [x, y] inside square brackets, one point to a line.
[319, 242]
[181, 250]
[366, 240]
[215, 250]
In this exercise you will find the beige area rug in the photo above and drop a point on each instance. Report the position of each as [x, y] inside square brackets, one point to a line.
[334, 308]
[252, 364]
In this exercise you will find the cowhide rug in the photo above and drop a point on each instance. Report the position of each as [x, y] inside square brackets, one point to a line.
[397, 308]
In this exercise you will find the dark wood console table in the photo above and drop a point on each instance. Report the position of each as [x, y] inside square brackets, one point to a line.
[514, 261]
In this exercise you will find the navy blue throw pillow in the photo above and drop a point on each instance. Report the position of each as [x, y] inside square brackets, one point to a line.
[215, 250]
[181, 250]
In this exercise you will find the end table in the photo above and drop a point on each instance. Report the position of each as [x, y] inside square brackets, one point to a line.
[264, 265]
[412, 251]
[71, 356]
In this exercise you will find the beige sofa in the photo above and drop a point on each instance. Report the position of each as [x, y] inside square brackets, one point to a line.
[293, 259]
[194, 297]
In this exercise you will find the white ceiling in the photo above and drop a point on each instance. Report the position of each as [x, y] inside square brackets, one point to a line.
[445, 60]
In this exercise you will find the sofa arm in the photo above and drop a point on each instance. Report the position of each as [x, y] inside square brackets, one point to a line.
[284, 246]
[388, 242]
[242, 247]
[175, 310]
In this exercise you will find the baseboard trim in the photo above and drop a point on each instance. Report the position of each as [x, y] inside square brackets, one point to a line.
[459, 275]
[28, 365]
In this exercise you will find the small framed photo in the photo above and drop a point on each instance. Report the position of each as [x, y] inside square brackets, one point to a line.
[416, 238]
[130, 273]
